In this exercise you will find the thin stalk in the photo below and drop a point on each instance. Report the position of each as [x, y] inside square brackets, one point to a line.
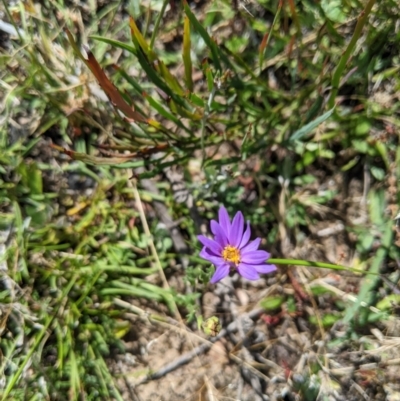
[204, 121]
[362, 19]
[300, 262]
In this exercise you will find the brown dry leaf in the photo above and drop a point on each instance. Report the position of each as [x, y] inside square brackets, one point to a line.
[108, 87]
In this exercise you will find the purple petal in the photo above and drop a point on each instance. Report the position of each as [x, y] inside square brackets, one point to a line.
[224, 220]
[265, 269]
[221, 272]
[246, 236]
[214, 259]
[212, 225]
[214, 246]
[248, 271]
[254, 257]
[236, 232]
[262, 268]
[220, 235]
[252, 246]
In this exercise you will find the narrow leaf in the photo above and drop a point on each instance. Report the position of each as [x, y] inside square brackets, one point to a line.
[112, 92]
[131, 80]
[364, 295]
[302, 132]
[203, 33]
[154, 76]
[170, 79]
[114, 43]
[267, 36]
[140, 41]
[261, 49]
[161, 110]
[187, 60]
[108, 87]
[208, 74]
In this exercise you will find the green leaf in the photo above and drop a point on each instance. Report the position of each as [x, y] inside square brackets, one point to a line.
[165, 113]
[378, 173]
[140, 42]
[186, 56]
[376, 207]
[382, 149]
[131, 80]
[365, 293]
[169, 78]
[304, 131]
[315, 108]
[272, 303]
[360, 146]
[328, 319]
[154, 76]
[114, 43]
[267, 37]
[389, 302]
[31, 177]
[319, 290]
[363, 127]
[349, 165]
[333, 10]
[203, 33]
[208, 74]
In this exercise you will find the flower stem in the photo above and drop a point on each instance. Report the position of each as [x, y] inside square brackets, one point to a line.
[301, 262]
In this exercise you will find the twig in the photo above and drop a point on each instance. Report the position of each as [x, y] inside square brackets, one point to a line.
[201, 349]
[165, 322]
[246, 373]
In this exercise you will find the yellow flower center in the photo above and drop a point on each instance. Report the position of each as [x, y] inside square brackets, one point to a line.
[231, 254]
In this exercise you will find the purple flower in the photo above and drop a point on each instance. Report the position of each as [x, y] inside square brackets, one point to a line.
[231, 249]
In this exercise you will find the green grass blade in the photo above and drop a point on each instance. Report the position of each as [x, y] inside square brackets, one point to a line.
[322, 265]
[75, 46]
[267, 37]
[186, 56]
[132, 81]
[170, 79]
[154, 76]
[38, 340]
[158, 22]
[362, 20]
[163, 112]
[208, 74]
[114, 43]
[303, 131]
[369, 283]
[203, 33]
[74, 381]
[140, 41]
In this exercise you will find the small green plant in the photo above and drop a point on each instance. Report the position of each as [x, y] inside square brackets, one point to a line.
[272, 110]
